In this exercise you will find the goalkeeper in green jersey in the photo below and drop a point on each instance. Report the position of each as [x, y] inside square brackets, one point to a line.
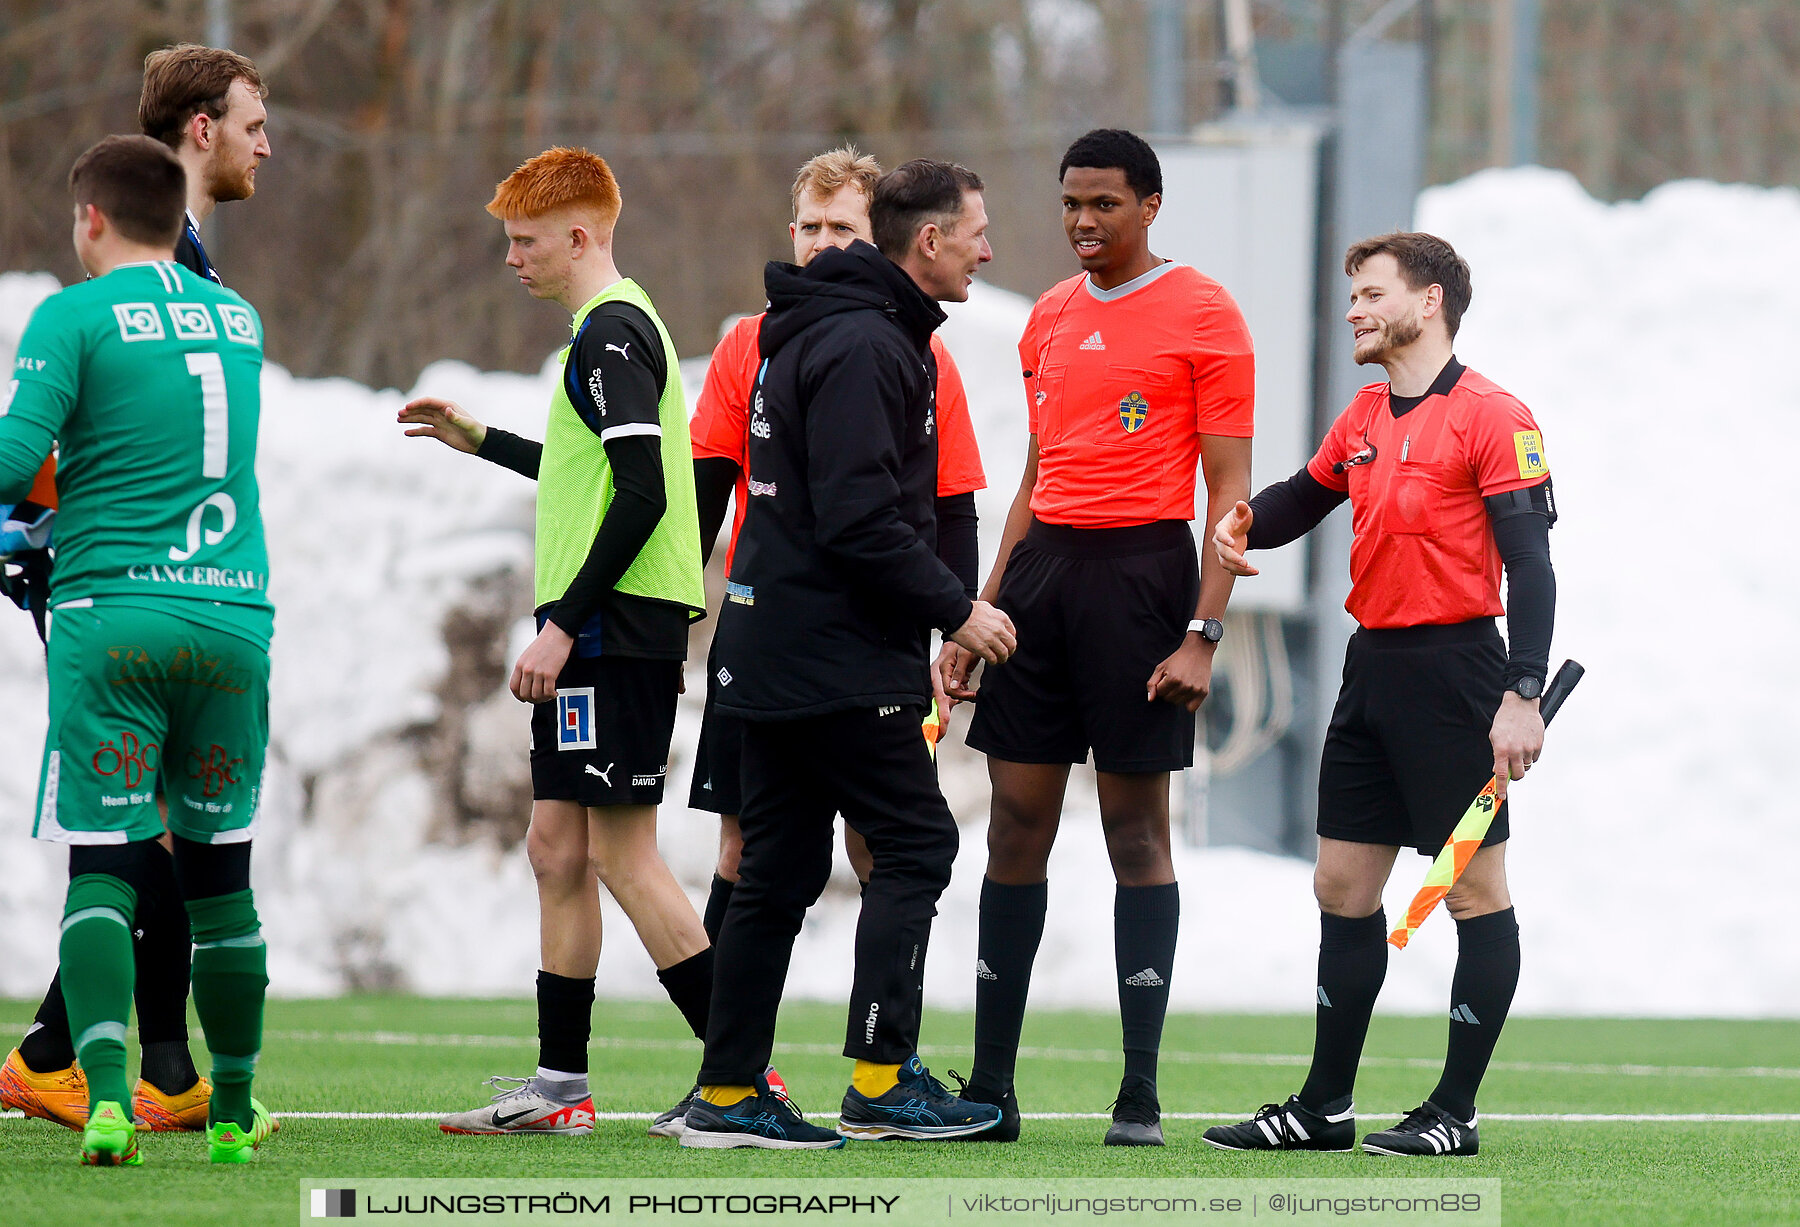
[145, 379]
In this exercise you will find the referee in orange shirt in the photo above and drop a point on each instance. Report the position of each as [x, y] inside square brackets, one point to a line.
[1137, 370]
[1447, 482]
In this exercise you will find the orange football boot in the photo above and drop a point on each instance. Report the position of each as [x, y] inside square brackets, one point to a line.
[160, 1113]
[60, 1095]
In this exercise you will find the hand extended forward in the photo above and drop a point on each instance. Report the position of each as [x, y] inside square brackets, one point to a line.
[1231, 539]
[445, 421]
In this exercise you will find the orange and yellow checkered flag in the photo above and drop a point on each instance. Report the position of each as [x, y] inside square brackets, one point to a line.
[1472, 827]
[933, 728]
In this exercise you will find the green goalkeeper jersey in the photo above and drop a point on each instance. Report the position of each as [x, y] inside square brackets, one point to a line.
[148, 381]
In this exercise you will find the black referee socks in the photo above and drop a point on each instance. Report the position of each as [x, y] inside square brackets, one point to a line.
[1353, 958]
[565, 1020]
[1481, 993]
[717, 900]
[689, 984]
[1146, 920]
[1006, 945]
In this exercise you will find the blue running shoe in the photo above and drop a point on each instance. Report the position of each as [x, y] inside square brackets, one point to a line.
[764, 1120]
[919, 1106]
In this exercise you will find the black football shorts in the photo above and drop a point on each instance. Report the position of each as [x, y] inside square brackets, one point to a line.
[604, 738]
[1407, 749]
[718, 759]
[1096, 609]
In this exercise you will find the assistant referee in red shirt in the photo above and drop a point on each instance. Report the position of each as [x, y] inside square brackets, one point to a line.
[1447, 482]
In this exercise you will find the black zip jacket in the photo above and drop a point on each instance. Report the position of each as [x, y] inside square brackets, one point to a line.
[836, 584]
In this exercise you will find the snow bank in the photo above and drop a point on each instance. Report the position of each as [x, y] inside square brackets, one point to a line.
[1652, 860]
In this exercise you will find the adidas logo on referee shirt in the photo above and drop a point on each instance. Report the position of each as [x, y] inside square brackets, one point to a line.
[1094, 342]
[1146, 978]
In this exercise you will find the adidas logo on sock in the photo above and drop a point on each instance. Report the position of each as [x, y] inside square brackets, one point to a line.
[1094, 342]
[1464, 1014]
[1146, 978]
[1323, 999]
[983, 971]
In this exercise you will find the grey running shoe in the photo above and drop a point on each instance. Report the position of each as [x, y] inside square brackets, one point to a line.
[1427, 1130]
[1137, 1116]
[520, 1107]
[1287, 1126]
[671, 1123]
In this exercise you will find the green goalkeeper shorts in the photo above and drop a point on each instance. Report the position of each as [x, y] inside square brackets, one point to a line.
[142, 697]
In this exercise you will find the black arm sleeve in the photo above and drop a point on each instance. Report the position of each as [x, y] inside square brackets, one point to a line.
[615, 374]
[639, 500]
[509, 451]
[957, 545]
[1288, 510]
[714, 479]
[1521, 520]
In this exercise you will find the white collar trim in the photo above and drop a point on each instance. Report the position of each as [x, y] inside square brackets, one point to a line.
[1130, 287]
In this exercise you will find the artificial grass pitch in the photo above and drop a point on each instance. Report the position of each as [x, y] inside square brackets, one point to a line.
[399, 1055]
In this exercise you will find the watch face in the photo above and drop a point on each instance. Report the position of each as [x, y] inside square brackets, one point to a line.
[1529, 687]
[1212, 630]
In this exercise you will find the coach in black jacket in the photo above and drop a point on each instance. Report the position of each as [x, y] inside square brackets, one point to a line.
[823, 643]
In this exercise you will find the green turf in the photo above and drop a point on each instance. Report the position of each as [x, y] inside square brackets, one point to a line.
[364, 1055]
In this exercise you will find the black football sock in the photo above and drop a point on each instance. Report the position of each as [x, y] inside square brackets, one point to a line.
[1006, 945]
[717, 900]
[1353, 957]
[47, 1047]
[565, 1021]
[164, 955]
[1481, 993]
[689, 985]
[1146, 920]
[168, 1066]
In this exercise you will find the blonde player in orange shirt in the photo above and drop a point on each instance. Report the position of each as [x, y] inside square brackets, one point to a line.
[831, 197]
[1137, 370]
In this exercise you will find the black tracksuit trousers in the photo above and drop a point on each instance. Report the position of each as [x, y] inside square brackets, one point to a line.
[797, 776]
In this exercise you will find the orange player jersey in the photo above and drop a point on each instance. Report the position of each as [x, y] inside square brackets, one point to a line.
[1424, 551]
[721, 417]
[1122, 383]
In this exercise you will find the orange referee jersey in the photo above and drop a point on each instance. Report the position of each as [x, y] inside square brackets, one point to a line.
[1122, 383]
[720, 426]
[1424, 550]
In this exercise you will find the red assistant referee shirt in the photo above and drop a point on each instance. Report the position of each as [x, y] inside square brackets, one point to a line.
[1122, 383]
[1424, 551]
[720, 425]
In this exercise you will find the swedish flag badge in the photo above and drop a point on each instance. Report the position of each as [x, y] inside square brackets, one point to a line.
[1132, 412]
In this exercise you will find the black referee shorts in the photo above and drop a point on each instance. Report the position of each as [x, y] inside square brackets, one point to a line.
[718, 759]
[1097, 609]
[604, 738]
[1408, 749]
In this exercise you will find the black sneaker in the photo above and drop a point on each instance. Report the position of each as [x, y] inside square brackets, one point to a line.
[765, 1120]
[671, 1123]
[1287, 1126]
[918, 1106]
[1427, 1130]
[1137, 1116]
[1007, 1101]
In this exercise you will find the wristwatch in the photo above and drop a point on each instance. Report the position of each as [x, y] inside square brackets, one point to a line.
[1528, 687]
[1210, 629]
